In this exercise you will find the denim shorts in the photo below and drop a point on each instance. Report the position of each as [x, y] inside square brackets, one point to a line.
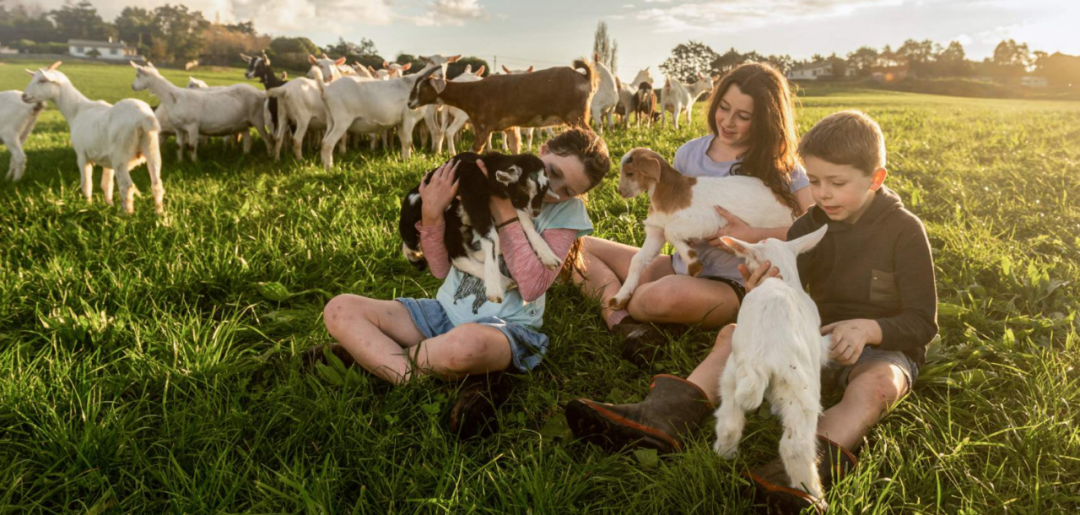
[871, 353]
[527, 347]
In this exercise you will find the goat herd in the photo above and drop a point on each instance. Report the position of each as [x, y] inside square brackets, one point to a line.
[335, 100]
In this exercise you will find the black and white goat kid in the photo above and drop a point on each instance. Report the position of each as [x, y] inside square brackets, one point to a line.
[471, 237]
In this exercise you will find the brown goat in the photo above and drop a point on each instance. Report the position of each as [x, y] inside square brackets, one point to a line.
[498, 102]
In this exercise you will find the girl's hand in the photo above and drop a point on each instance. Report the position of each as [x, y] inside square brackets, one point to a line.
[735, 228]
[439, 192]
[753, 279]
[501, 208]
[849, 337]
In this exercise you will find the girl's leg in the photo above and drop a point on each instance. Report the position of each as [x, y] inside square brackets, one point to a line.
[468, 349]
[605, 265]
[375, 332]
[681, 299]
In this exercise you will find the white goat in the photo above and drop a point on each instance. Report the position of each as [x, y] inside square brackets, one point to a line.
[606, 97]
[777, 351]
[300, 101]
[193, 83]
[17, 119]
[370, 106]
[209, 112]
[679, 97]
[116, 137]
[682, 209]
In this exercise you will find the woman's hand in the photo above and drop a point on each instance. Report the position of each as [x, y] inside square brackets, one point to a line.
[735, 228]
[849, 337]
[501, 208]
[753, 279]
[439, 192]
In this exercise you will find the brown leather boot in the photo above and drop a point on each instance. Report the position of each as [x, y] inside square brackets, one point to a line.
[673, 408]
[771, 482]
[318, 355]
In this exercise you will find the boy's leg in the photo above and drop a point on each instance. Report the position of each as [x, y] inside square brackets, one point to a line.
[375, 332]
[872, 388]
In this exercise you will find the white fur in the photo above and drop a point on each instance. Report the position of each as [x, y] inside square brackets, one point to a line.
[777, 352]
[679, 97]
[370, 106]
[606, 97]
[205, 112]
[17, 119]
[745, 197]
[115, 137]
[627, 90]
[193, 83]
[301, 101]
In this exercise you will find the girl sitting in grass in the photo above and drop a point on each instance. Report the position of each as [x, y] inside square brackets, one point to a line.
[460, 333]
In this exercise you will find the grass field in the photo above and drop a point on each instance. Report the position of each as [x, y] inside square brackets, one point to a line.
[141, 370]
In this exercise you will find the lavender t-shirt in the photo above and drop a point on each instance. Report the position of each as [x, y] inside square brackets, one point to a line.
[692, 159]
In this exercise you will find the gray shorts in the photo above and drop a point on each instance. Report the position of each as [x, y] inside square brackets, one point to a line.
[527, 347]
[871, 353]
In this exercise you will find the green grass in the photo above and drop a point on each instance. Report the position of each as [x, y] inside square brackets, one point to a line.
[141, 371]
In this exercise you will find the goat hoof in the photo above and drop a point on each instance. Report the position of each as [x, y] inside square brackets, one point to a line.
[724, 452]
[495, 299]
[618, 303]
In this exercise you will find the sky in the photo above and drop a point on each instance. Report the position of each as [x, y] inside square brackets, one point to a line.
[553, 32]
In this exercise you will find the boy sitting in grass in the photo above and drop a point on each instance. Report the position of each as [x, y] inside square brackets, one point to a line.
[872, 278]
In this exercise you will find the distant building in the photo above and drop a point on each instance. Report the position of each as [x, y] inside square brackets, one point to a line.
[1033, 81]
[7, 51]
[101, 49]
[812, 71]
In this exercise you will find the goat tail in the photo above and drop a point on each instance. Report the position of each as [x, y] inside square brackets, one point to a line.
[750, 388]
[590, 74]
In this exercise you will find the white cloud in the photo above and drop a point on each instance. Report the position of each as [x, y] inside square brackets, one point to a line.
[451, 12]
[733, 15]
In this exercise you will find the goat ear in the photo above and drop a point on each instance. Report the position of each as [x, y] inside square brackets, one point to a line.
[28, 72]
[506, 70]
[453, 59]
[510, 176]
[439, 84]
[385, 63]
[649, 165]
[133, 65]
[530, 70]
[740, 248]
[246, 58]
[480, 71]
[311, 59]
[405, 67]
[339, 61]
[266, 60]
[370, 69]
[54, 66]
[807, 242]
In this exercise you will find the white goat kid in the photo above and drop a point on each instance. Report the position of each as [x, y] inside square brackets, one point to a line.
[682, 209]
[17, 119]
[116, 137]
[368, 107]
[777, 352]
[205, 112]
[679, 97]
[606, 97]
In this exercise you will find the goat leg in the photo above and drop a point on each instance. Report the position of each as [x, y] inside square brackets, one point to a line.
[539, 244]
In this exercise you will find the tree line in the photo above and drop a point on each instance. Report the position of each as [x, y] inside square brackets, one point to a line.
[174, 34]
[923, 59]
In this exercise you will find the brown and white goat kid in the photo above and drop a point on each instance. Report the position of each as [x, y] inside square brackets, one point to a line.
[544, 97]
[777, 352]
[682, 209]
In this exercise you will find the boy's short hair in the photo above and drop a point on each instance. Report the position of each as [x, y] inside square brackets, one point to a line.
[846, 138]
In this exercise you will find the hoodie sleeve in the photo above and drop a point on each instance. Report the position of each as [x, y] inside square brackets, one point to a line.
[916, 324]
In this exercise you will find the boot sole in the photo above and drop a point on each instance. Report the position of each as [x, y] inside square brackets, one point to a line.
[599, 426]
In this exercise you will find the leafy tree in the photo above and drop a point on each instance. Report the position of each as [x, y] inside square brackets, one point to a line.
[457, 68]
[417, 63]
[178, 33]
[223, 44]
[80, 21]
[19, 22]
[135, 26]
[365, 48]
[247, 27]
[605, 47]
[863, 60]
[1012, 58]
[952, 61]
[687, 59]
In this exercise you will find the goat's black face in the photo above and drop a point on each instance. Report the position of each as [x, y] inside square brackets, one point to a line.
[525, 182]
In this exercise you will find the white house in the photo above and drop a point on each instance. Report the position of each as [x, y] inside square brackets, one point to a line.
[7, 51]
[1033, 81]
[813, 71]
[101, 49]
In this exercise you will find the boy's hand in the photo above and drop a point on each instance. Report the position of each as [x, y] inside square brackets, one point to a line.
[849, 337]
[438, 193]
[753, 279]
[501, 208]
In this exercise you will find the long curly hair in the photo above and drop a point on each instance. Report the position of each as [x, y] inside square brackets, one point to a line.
[773, 138]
